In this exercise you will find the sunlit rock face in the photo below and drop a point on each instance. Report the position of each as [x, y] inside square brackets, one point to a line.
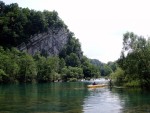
[49, 43]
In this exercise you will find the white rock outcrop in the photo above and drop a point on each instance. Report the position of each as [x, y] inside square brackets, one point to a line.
[49, 43]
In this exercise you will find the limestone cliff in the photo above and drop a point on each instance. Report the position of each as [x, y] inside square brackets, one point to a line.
[48, 43]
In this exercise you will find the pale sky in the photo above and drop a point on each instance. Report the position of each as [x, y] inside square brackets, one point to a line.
[98, 24]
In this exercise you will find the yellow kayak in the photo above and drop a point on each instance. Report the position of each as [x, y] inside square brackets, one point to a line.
[96, 86]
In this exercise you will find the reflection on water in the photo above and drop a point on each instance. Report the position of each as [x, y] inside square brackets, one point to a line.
[71, 98]
[42, 98]
[136, 100]
[103, 101]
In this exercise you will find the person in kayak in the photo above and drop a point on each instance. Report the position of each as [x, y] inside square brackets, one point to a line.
[94, 83]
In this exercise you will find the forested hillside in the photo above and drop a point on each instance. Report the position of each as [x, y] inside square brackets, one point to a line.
[105, 69]
[17, 26]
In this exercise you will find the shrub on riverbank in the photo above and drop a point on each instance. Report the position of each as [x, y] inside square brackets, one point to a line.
[135, 61]
[16, 66]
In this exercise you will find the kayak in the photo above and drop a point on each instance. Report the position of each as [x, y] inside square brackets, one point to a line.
[96, 86]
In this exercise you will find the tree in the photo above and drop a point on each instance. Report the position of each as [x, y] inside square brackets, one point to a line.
[27, 71]
[18, 24]
[89, 70]
[41, 68]
[105, 70]
[135, 60]
[73, 60]
[62, 64]
[72, 73]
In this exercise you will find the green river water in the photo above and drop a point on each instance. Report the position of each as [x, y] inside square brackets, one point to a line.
[73, 97]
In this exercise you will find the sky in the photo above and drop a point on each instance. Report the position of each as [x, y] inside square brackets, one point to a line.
[98, 24]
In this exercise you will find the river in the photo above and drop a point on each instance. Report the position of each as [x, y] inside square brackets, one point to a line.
[71, 97]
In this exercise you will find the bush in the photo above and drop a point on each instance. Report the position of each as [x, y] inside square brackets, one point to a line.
[72, 79]
[135, 83]
[118, 76]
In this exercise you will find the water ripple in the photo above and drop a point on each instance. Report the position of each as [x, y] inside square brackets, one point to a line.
[101, 100]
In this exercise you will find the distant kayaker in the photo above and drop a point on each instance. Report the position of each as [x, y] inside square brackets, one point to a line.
[94, 83]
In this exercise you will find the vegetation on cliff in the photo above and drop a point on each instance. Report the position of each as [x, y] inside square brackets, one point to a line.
[16, 26]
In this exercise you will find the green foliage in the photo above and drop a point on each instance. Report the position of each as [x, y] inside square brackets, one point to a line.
[52, 66]
[9, 64]
[133, 83]
[72, 73]
[118, 76]
[135, 60]
[72, 60]
[41, 68]
[104, 69]
[27, 70]
[2, 76]
[73, 46]
[47, 68]
[96, 62]
[112, 65]
[62, 64]
[89, 70]
[18, 24]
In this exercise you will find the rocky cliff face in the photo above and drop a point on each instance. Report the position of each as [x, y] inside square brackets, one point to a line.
[48, 43]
